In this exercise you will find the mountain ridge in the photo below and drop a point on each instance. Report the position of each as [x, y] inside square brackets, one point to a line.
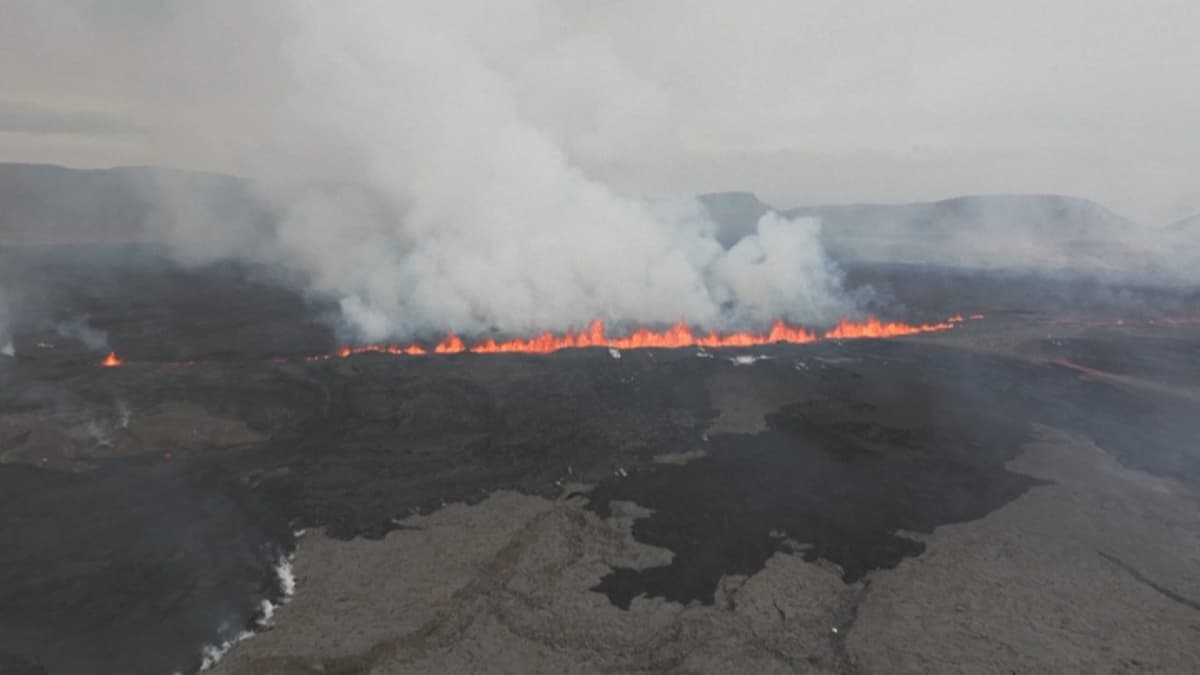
[52, 204]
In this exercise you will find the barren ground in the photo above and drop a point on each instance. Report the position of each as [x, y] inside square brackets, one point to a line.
[1018, 495]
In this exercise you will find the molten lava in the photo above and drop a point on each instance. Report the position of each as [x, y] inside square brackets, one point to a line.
[874, 328]
[451, 344]
[675, 336]
[672, 337]
[111, 361]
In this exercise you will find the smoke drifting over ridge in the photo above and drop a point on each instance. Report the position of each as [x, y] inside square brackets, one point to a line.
[469, 127]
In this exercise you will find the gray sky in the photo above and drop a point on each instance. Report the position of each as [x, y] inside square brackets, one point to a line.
[802, 102]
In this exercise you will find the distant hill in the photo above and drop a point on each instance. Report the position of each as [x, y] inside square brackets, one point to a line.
[45, 204]
[51, 204]
[1190, 223]
[988, 230]
[42, 204]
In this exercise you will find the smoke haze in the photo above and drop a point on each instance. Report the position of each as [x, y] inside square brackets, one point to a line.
[476, 167]
[424, 166]
[801, 102]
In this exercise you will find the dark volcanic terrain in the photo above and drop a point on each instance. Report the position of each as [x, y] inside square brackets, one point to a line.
[653, 502]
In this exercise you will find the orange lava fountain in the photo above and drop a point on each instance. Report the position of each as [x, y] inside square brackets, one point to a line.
[111, 361]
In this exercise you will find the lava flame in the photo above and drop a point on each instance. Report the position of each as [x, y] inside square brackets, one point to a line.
[111, 361]
[874, 328]
[673, 337]
[451, 344]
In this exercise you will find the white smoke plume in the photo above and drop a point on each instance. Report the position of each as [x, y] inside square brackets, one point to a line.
[476, 129]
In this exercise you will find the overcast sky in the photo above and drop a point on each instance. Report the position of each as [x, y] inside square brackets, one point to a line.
[802, 102]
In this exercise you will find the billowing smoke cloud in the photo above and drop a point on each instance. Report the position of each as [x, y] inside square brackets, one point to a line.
[460, 136]
[435, 166]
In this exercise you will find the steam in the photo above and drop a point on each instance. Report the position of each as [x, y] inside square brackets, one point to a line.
[748, 359]
[6, 345]
[211, 654]
[464, 140]
[79, 329]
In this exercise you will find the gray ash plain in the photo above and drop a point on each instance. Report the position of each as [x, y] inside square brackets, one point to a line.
[128, 548]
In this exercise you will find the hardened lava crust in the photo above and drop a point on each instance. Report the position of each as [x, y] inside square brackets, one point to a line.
[847, 506]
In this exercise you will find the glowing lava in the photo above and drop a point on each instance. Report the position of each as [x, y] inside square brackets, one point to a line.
[874, 328]
[111, 361]
[672, 337]
[451, 344]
